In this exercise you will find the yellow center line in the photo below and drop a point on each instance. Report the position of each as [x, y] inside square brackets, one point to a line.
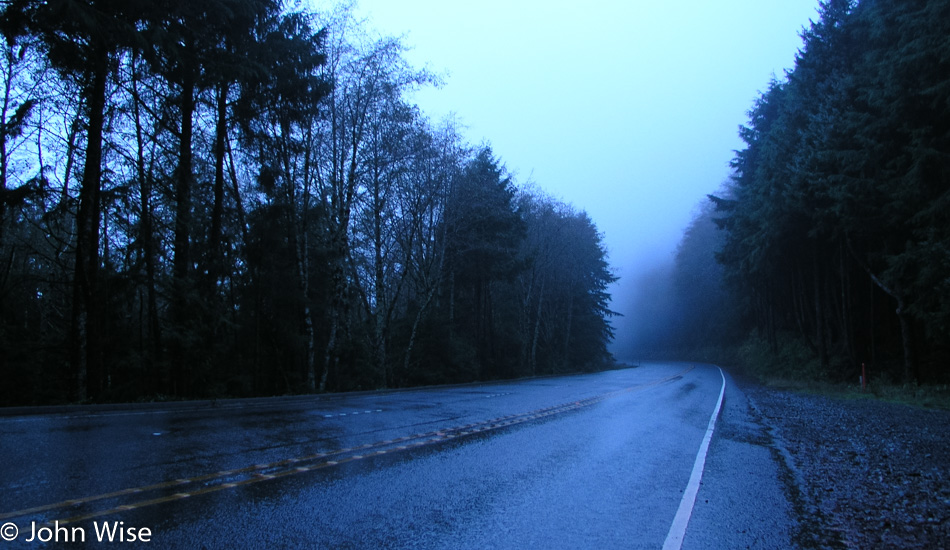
[256, 470]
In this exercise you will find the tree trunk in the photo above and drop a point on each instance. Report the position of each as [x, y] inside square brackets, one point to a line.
[181, 269]
[331, 348]
[303, 253]
[800, 307]
[146, 235]
[820, 317]
[336, 305]
[413, 333]
[85, 326]
[4, 161]
[871, 324]
[379, 285]
[567, 331]
[524, 325]
[490, 326]
[907, 341]
[311, 349]
[298, 224]
[452, 303]
[217, 210]
[537, 331]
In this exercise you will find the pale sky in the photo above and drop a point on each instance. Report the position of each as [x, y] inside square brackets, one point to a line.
[628, 110]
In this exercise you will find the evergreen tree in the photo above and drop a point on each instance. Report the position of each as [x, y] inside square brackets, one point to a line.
[842, 185]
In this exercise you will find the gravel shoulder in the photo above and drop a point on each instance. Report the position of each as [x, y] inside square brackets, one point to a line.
[860, 473]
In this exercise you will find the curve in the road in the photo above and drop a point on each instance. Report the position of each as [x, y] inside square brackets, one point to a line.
[674, 539]
[256, 473]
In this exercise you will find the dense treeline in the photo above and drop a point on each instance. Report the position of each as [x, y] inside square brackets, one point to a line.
[837, 221]
[234, 197]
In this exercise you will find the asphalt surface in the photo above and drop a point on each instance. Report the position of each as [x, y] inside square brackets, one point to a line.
[589, 461]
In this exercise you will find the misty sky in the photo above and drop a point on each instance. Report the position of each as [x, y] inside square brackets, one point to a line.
[626, 109]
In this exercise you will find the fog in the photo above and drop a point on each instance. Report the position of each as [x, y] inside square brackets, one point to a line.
[628, 110]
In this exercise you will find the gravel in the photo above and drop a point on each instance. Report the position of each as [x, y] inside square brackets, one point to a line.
[861, 473]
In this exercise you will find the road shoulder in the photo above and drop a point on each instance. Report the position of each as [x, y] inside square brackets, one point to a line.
[743, 501]
[869, 474]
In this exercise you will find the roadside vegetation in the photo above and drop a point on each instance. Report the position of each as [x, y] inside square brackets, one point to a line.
[208, 198]
[829, 247]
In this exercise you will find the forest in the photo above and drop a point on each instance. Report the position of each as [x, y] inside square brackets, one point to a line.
[226, 198]
[833, 247]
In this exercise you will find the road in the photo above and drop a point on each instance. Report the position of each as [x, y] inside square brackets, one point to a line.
[588, 461]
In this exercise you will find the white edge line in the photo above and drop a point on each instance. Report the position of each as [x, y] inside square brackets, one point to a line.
[674, 539]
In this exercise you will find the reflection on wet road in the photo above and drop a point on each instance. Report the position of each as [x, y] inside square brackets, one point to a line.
[574, 461]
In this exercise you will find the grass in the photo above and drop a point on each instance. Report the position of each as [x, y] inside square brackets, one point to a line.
[794, 367]
[918, 395]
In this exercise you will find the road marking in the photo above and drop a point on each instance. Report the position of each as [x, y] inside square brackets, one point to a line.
[337, 415]
[214, 482]
[197, 407]
[674, 539]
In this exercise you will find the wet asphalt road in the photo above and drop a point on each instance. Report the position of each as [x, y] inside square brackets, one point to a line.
[590, 461]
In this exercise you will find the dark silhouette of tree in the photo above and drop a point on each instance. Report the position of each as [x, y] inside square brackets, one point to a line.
[836, 206]
[199, 197]
[81, 39]
[484, 232]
